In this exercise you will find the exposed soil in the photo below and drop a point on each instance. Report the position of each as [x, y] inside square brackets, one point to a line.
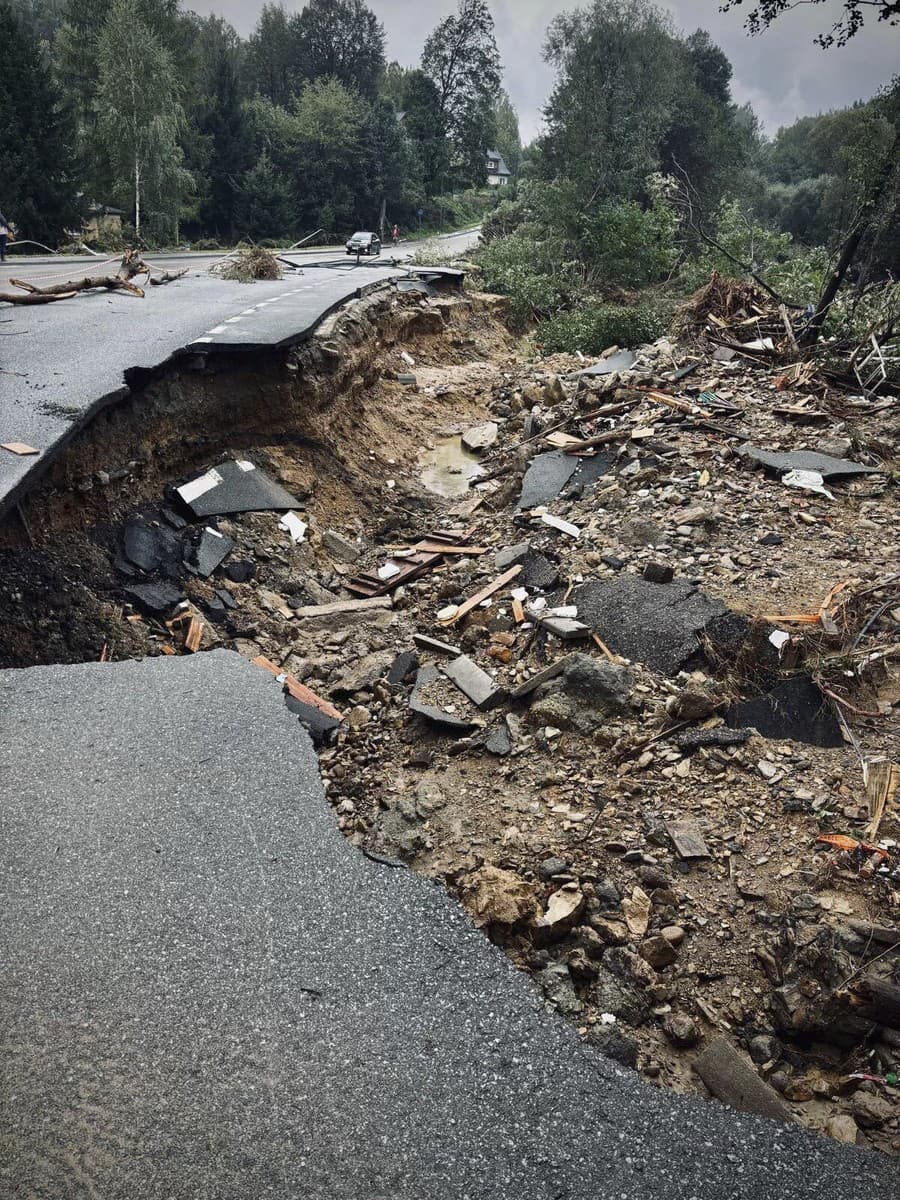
[649, 953]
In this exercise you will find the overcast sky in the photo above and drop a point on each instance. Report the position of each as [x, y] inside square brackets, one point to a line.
[781, 73]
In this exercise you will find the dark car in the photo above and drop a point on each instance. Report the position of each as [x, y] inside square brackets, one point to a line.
[364, 243]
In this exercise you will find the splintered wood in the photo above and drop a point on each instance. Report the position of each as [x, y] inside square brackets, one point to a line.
[295, 688]
[486, 592]
[882, 779]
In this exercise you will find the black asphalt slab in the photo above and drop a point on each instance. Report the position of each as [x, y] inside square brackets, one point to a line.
[207, 992]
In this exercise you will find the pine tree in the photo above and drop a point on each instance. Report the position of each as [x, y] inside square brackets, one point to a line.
[37, 184]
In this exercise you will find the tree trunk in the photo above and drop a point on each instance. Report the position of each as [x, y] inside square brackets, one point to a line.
[848, 252]
[137, 197]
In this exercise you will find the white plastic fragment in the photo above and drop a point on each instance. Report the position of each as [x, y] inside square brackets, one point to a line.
[563, 526]
[448, 613]
[779, 639]
[519, 593]
[244, 465]
[388, 571]
[808, 481]
[292, 524]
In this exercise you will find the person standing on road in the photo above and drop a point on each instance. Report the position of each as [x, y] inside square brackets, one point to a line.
[4, 234]
[395, 234]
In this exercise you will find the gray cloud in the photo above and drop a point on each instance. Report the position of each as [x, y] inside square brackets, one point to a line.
[781, 73]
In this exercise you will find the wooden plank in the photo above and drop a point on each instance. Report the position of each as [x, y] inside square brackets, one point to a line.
[194, 635]
[494, 586]
[307, 696]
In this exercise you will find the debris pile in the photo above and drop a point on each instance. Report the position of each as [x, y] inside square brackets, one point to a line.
[631, 697]
[248, 263]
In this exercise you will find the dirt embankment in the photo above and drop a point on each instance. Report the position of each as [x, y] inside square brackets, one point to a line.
[622, 829]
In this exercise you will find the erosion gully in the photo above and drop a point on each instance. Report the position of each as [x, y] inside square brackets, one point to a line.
[666, 895]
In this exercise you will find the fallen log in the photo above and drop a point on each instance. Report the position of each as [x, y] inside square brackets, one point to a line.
[167, 277]
[132, 265]
[877, 1000]
[34, 298]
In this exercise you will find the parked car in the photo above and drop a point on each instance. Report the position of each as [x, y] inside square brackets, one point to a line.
[364, 243]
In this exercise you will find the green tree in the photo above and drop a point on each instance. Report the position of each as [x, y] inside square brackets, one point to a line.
[264, 205]
[272, 55]
[617, 80]
[341, 39]
[140, 117]
[219, 149]
[423, 121]
[506, 126]
[37, 179]
[461, 58]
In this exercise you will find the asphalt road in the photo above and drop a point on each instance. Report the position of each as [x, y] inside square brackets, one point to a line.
[60, 363]
[207, 992]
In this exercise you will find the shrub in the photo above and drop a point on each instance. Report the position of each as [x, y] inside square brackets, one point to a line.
[591, 328]
[531, 272]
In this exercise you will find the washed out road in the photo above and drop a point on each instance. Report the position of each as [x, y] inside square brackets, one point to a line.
[208, 992]
[61, 362]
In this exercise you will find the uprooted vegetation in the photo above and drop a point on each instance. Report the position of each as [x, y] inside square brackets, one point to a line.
[632, 695]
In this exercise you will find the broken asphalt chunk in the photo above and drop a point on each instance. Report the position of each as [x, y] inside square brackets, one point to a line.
[498, 741]
[320, 727]
[445, 721]
[546, 477]
[477, 685]
[654, 623]
[424, 642]
[208, 552]
[795, 709]
[235, 486]
[157, 599]
[144, 545]
[804, 460]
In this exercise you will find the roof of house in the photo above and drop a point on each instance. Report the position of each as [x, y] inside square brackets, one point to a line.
[502, 168]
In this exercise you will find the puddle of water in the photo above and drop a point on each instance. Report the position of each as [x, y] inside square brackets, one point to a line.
[447, 469]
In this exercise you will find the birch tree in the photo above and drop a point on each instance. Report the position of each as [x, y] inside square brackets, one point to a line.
[140, 116]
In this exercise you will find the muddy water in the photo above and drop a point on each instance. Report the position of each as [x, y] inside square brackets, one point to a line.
[447, 468]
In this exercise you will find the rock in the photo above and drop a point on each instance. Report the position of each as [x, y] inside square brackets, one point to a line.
[554, 393]
[871, 1110]
[497, 897]
[498, 741]
[843, 1129]
[401, 829]
[637, 909]
[550, 867]
[611, 1041]
[480, 437]
[340, 547]
[658, 952]
[612, 933]
[638, 531]
[359, 717]
[557, 985]
[364, 674]
[564, 908]
[618, 997]
[608, 895]
[601, 683]
[764, 1048]
[694, 702]
[680, 1029]
[655, 572]
[653, 877]
[673, 934]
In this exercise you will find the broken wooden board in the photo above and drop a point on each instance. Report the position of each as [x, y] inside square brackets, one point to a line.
[298, 690]
[485, 593]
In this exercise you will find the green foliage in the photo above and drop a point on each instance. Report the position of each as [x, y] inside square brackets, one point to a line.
[38, 191]
[531, 273]
[140, 117]
[592, 328]
[506, 137]
[461, 59]
[628, 245]
[342, 40]
[504, 220]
